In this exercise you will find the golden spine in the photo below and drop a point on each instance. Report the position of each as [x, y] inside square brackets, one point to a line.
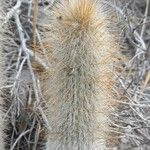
[80, 92]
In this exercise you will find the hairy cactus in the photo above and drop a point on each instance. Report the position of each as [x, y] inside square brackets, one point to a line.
[80, 90]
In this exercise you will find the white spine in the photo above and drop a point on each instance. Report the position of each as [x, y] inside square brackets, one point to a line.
[81, 95]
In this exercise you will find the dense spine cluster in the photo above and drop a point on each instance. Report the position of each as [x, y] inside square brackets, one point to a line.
[80, 94]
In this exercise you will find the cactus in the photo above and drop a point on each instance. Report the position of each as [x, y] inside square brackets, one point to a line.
[80, 92]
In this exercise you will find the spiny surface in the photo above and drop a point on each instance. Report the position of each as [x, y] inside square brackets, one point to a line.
[80, 93]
